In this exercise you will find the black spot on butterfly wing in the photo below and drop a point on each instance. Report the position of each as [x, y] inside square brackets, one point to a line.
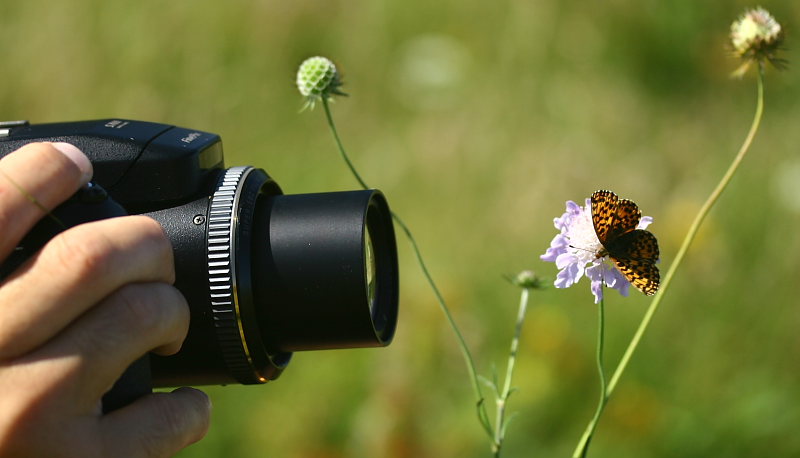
[635, 254]
[636, 244]
[643, 275]
[626, 218]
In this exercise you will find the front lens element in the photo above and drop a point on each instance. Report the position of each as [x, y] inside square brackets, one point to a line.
[369, 267]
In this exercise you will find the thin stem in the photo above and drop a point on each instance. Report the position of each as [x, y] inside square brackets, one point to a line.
[440, 299]
[476, 387]
[342, 152]
[502, 399]
[583, 445]
[687, 241]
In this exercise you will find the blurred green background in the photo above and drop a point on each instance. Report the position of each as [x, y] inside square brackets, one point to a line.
[479, 120]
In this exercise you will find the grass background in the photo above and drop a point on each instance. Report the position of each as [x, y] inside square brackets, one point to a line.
[478, 121]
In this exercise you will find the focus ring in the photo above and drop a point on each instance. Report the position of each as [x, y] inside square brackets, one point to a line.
[221, 251]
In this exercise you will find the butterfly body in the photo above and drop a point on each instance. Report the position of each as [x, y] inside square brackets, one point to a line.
[633, 251]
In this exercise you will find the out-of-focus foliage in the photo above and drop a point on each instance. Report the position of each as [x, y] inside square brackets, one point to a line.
[478, 120]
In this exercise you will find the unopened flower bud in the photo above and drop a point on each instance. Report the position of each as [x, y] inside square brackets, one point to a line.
[527, 279]
[317, 78]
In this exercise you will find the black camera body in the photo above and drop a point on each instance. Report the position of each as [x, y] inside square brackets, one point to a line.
[265, 274]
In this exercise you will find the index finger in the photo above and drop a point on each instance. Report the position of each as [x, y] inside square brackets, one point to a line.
[38, 173]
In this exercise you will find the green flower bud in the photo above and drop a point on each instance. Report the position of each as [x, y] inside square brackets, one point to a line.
[527, 279]
[317, 78]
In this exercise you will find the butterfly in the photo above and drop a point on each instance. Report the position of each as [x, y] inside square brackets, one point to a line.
[634, 251]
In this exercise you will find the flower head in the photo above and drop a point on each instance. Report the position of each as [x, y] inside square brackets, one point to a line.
[317, 78]
[527, 279]
[577, 251]
[756, 36]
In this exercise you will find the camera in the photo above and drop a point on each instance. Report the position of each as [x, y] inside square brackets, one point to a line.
[265, 273]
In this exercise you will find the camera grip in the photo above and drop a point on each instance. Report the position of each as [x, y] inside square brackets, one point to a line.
[90, 203]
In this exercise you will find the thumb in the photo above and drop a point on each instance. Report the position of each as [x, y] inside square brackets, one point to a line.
[159, 424]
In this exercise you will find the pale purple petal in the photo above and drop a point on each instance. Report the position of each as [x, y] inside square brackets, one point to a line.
[595, 275]
[562, 222]
[615, 280]
[595, 272]
[564, 259]
[567, 276]
[550, 255]
[558, 246]
[573, 208]
[597, 291]
[624, 287]
[559, 241]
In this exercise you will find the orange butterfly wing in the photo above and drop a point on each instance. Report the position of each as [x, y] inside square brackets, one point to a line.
[604, 208]
[635, 255]
[634, 251]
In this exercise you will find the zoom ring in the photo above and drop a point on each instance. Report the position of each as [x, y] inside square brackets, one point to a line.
[222, 229]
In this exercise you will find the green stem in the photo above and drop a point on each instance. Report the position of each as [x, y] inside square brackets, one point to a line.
[342, 152]
[687, 241]
[502, 399]
[583, 445]
[482, 415]
[476, 387]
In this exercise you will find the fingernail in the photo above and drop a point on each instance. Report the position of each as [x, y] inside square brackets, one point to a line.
[76, 156]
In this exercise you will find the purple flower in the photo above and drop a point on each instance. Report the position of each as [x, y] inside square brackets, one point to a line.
[576, 251]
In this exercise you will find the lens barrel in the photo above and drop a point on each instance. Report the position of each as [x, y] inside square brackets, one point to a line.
[315, 259]
[285, 273]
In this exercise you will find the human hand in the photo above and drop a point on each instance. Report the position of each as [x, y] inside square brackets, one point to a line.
[75, 315]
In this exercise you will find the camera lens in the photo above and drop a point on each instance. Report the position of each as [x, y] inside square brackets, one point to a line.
[328, 271]
[285, 273]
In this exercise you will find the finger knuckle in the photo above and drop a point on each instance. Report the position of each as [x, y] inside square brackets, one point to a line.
[43, 153]
[41, 150]
[47, 162]
[139, 307]
[91, 250]
[153, 235]
[151, 229]
[148, 313]
[131, 312]
[85, 255]
[159, 310]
